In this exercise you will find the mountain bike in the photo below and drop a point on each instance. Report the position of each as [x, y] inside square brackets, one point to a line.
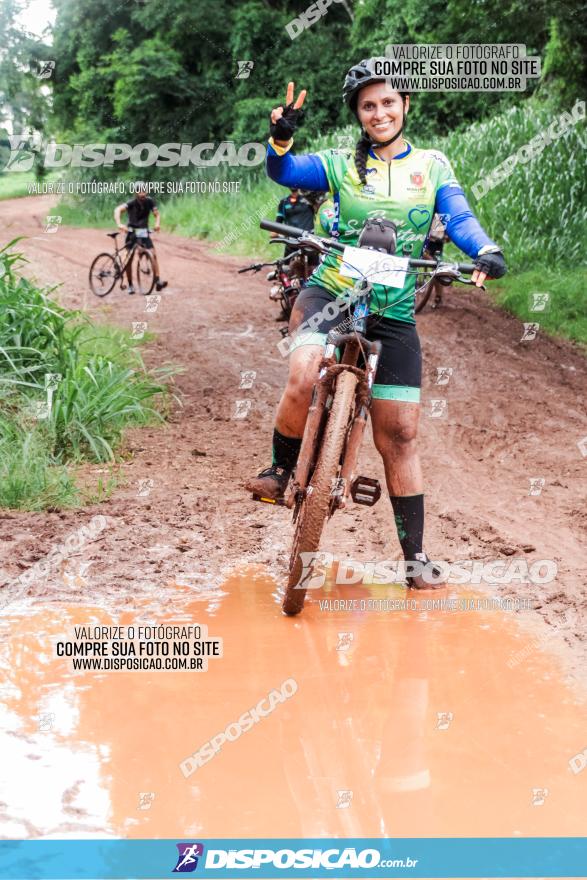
[289, 274]
[107, 268]
[325, 476]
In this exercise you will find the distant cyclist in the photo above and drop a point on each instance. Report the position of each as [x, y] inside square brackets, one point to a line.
[296, 210]
[138, 210]
[299, 209]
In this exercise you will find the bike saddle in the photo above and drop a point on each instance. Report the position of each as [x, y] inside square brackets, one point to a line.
[112, 234]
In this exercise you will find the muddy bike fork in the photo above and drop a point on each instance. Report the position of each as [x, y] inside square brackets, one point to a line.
[363, 490]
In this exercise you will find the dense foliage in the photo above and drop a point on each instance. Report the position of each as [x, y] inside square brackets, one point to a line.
[155, 70]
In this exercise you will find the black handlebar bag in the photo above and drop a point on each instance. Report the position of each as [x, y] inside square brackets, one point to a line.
[379, 234]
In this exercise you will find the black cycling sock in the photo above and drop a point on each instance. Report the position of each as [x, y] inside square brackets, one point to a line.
[285, 450]
[409, 520]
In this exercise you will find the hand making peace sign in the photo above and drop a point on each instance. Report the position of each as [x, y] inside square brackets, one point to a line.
[285, 118]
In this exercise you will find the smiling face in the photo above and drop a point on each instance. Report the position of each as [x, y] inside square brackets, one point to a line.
[380, 110]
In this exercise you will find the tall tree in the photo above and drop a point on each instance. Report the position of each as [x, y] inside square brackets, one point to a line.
[23, 99]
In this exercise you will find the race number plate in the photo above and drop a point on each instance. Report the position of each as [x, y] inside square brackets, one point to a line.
[377, 267]
[142, 233]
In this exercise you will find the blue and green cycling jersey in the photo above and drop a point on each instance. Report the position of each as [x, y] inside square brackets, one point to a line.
[324, 220]
[408, 190]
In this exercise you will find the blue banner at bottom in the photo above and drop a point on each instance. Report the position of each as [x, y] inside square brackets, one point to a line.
[309, 858]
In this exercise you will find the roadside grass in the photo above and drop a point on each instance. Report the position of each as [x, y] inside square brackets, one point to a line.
[229, 219]
[29, 478]
[95, 211]
[565, 312]
[539, 213]
[68, 390]
[16, 184]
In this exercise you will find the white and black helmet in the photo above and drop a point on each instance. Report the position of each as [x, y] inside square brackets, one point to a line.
[361, 75]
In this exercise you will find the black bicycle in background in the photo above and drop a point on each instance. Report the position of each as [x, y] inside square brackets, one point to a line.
[433, 250]
[107, 268]
[289, 274]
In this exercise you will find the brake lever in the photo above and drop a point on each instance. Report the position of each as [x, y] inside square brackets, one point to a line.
[292, 242]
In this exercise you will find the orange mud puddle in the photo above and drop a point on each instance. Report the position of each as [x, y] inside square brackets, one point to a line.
[420, 723]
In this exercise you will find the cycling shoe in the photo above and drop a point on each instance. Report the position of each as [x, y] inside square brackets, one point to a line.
[270, 483]
[428, 576]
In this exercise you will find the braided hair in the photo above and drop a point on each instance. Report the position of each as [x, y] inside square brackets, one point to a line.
[365, 143]
[361, 154]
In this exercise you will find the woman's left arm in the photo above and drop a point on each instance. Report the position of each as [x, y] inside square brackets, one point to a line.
[466, 232]
[305, 171]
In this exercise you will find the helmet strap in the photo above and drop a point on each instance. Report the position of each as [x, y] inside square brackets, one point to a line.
[390, 141]
[396, 135]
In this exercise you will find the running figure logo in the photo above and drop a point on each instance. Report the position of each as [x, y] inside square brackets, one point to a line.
[344, 799]
[244, 69]
[189, 854]
[46, 70]
[530, 331]
[539, 302]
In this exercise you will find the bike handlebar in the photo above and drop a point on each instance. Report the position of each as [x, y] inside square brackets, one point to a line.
[308, 238]
[462, 268]
[256, 267]
[279, 262]
[324, 244]
[282, 228]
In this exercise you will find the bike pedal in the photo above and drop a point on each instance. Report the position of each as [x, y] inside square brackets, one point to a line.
[269, 500]
[365, 490]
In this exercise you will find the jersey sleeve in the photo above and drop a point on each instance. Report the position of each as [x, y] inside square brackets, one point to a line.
[462, 227]
[300, 172]
[335, 163]
[442, 172]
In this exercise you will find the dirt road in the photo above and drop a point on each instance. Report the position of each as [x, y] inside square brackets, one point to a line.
[513, 414]
[417, 723]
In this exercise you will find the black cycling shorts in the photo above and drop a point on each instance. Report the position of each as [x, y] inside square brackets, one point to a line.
[132, 239]
[399, 373]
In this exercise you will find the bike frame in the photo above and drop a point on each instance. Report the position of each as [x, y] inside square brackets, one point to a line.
[120, 264]
[352, 344]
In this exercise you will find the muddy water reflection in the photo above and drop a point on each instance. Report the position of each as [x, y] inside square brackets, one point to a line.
[404, 723]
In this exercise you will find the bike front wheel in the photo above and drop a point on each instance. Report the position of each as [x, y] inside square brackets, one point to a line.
[145, 272]
[315, 507]
[104, 274]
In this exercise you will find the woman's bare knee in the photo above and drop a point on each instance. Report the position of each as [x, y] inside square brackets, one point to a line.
[396, 437]
[298, 391]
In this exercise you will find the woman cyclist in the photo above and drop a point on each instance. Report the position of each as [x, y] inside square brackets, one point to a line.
[387, 177]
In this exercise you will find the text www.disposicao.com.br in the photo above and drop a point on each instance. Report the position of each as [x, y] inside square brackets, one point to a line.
[107, 664]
